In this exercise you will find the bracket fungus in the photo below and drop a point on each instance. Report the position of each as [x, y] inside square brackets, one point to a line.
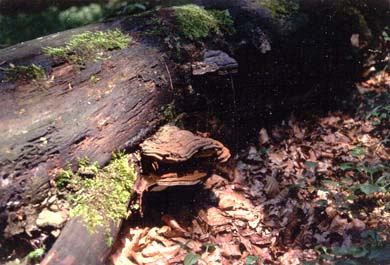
[215, 61]
[176, 157]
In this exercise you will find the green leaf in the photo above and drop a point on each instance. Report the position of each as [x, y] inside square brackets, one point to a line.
[356, 252]
[325, 257]
[36, 254]
[325, 189]
[332, 183]
[347, 166]
[369, 188]
[352, 197]
[320, 249]
[347, 181]
[371, 234]
[322, 203]
[191, 259]
[387, 207]
[380, 255]
[311, 164]
[370, 170]
[251, 260]
[264, 150]
[209, 247]
[358, 151]
[140, 6]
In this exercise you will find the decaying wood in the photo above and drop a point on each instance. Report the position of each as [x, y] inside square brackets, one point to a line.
[47, 124]
[71, 248]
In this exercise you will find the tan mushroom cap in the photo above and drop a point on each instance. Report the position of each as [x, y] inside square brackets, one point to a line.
[174, 145]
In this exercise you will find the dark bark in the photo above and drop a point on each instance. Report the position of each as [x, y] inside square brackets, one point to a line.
[77, 245]
[47, 124]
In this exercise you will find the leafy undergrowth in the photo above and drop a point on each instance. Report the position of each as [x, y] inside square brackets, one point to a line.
[23, 27]
[313, 190]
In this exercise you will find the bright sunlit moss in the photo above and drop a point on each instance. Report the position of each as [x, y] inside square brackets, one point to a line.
[89, 46]
[196, 22]
[102, 196]
[22, 72]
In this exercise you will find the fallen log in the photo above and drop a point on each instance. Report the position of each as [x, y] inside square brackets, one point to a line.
[76, 112]
[71, 248]
[113, 104]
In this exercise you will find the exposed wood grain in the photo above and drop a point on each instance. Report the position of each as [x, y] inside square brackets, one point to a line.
[47, 124]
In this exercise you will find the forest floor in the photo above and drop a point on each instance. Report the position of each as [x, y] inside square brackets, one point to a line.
[314, 189]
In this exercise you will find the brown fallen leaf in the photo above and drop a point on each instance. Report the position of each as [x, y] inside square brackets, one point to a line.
[272, 188]
[231, 249]
[241, 214]
[338, 225]
[130, 243]
[233, 200]
[215, 181]
[154, 249]
[263, 137]
[120, 260]
[167, 219]
[213, 217]
[292, 257]
[357, 225]
[212, 258]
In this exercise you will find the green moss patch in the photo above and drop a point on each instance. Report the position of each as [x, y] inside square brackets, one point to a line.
[89, 46]
[99, 195]
[195, 22]
[280, 8]
[21, 72]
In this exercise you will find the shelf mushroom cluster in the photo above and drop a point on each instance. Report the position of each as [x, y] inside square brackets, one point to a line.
[177, 157]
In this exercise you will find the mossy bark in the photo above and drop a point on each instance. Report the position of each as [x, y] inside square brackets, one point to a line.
[49, 123]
